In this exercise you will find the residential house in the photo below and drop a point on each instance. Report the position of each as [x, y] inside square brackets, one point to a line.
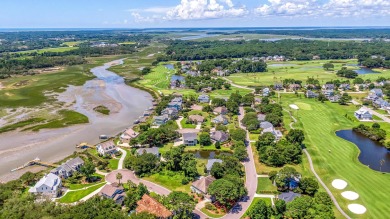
[190, 139]
[49, 185]
[311, 94]
[268, 127]
[345, 87]
[113, 191]
[175, 103]
[288, 196]
[220, 110]
[177, 82]
[204, 98]
[206, 89]
[328, 87]
[128, 135]
[152, 206]
[210, 163]
[363, 114]
[316, 57]
[278, 86]
[201, 185]
[67, 169]
[221, 119]
[380, 103]
[219, 136]
[196, 119]
[334, 99]
[328, 93]
[294, 87]
[377, 92]
[152, 150]
[160, 120]
[172, 113]
[261, 117]
[106, 148]
[193, 73]
[266, 92]
[147, 113]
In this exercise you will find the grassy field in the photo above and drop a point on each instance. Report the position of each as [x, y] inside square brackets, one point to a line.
[113, 163]
[68, 117]
[319, 122]
[80, 186]
[170, 180]
[298, 70]
[102, 109]
[184, 124]
[75, 196]
[57, 49]
[264, 184]
[29, 91]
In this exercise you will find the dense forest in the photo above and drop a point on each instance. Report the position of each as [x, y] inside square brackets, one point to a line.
[291, 49]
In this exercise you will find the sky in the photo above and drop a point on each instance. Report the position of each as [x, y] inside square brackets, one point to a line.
[192, 13]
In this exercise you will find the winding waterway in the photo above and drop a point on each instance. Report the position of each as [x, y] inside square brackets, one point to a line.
[126, 104]
[371, 154]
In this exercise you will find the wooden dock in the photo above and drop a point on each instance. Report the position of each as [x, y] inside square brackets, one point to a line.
[36, 161]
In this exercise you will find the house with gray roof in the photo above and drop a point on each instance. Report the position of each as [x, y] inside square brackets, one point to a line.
[49, 185]
[268, 127]
[377, 92]
[176, 103]
[261, 117]
[67, 169]
[380, 103]
[328, 86]
[190, 139]
[160, 120]
[204, 98]
[210, 163]
[106, 148]
[288, 196]
[172, 113]
[219, 136]
[311, 94]
[201, 185]
[113, 191]
[363, 114]
[152, 150]
[221, 119]
[220, 110]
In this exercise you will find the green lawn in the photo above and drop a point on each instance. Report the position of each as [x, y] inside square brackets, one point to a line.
[320, 121]
[299, 70]
[264, 184]
[170, 180]
[210, 214]
[80, 186]
[184, 124]
[57, 49]
[75, 196]
[113, 163]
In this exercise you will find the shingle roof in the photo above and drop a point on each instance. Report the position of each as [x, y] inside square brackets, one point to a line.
[50, 180]
[150, 205]
[109, 190]
[197, 118]
[203, 183]
[219, 136]
[190, 136]
[108, 145]
[266, 125]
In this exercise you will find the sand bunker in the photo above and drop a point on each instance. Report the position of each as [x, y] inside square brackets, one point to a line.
[350, 195]
[357, 209]
[339, 184]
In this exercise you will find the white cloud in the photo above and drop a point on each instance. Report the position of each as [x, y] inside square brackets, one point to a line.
[143, 19]
[332, 8]
[205, 9]
[156, 10]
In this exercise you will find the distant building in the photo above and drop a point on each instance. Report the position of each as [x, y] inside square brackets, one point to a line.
[204, 98]
[49, 185]
[328, 86]
[172, 113]
[363, 114]
[106, 148]
[377, 92]
[175, 103]
[67, 169]
[113, 191]
[311, 94]
[152, 150]
[294, 87]
[266, 92]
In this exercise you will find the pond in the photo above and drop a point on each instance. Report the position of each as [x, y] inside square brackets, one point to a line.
[282, 65]
[200, 36]
[169, 66]
[371, 154]
[364, 70]
[208, 154]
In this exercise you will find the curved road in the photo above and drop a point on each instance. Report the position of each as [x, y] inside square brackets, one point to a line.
[317, 176]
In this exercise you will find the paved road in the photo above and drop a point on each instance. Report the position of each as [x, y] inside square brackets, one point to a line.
[238, 86]
[124, 153]
[318, 177]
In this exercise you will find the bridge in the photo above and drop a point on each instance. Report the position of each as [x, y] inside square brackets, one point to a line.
[36, 161]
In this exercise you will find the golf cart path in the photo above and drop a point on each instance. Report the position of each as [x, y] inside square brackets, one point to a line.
[318, 177]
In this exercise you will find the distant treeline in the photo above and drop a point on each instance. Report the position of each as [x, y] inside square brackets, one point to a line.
[292, 49]
[328, 33]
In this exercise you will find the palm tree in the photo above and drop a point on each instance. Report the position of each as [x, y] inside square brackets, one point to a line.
[119, 177]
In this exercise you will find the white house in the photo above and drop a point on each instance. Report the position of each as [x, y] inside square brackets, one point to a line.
[106, 148]
[49, 185]
[128, 135]
[363, 114]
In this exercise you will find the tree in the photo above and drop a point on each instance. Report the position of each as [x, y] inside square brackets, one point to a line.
[376, 126]
[299, 207]
[345, 98]
[280, 207]
[322, 98]
[207, 108]
[328, 66]
[188, 165]
[295, 136]
[217, 145]
[232, 107]
[240, 153]
[218, 102]
[146, 70]
[119, 177]
[142, 164]
[238, 134]
[204, 139]
[217, 170]
[274, 118]
[227, 190]
[266, 139]
[181, 203]
[88, 169]
[260, 210]
[308, 185]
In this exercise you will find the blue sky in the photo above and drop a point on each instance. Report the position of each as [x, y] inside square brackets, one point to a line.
[192, 13]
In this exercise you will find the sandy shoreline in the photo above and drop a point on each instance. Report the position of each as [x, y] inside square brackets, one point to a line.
[127, 104]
